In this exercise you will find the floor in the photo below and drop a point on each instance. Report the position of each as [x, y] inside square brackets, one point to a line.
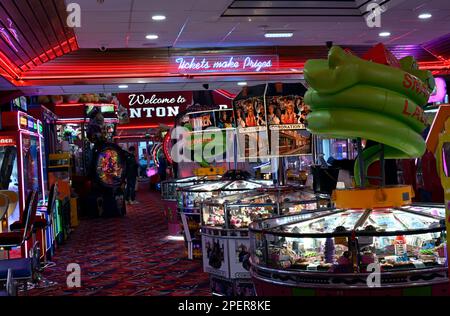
[127, 256]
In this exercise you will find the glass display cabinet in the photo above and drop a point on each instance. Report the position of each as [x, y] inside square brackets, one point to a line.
[169, 187]
[225, 221]
[169, 197]
[190, 199]
[334, 253]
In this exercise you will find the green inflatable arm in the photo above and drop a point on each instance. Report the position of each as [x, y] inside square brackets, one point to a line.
[351, 97]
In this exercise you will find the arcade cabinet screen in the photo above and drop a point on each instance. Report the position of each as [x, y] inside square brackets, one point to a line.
[8, 174]
[8, 171]
[30, 154]
[19, 104]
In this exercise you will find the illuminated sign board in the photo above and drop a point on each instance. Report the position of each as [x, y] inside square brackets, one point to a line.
[7, 141]
[224, 64]
[155, 108]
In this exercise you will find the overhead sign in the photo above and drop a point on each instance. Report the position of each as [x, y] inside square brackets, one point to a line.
[223, 64]
[7, 141]
[154, 108]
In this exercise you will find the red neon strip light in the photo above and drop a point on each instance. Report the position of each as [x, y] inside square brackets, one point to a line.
[141, 126]
[80, 120]
[134, 136]
[226, 93]
[7, 64]
[87, 104]
[160, 75]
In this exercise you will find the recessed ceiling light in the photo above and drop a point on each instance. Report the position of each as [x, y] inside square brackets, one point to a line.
[122, 86]
[151, 36]
[158, 17]
[424, 16]
[242, 83]
[141, 81]
[385, 34]
[278, 34]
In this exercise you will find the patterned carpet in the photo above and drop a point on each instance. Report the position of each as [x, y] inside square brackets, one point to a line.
[127, 256]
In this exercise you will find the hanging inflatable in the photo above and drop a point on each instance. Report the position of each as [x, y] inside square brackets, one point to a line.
[351, 97]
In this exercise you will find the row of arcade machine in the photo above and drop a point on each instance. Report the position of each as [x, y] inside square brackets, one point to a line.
[24, 168]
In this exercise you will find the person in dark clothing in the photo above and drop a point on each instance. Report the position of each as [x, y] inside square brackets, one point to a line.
[132, 173]
[162, 168]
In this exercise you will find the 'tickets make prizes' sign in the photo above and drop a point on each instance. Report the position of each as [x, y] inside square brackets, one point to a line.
[218, 64]
[155, 108]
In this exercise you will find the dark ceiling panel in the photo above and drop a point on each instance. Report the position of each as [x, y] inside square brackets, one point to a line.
[439, 47]
[34, 32]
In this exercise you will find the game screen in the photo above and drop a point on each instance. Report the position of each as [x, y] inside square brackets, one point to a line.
[8, 174]
[30, 157]
[110, 167]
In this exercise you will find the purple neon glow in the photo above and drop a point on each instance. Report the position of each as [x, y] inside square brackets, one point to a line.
[439, 92]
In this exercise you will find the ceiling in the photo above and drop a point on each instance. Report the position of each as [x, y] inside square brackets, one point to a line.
[225, 23]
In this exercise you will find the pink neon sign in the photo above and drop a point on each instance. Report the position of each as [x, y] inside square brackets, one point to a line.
[222, 64]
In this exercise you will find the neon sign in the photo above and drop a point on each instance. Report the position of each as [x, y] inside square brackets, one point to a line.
[238, 63]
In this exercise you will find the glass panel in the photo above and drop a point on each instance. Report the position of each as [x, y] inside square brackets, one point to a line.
[327, 224]
[446, 158]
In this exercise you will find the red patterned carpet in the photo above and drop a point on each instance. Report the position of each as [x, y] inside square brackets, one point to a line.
[127, 256]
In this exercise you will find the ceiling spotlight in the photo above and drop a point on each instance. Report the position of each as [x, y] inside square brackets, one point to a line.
[141, 81]
[152, 36]
[122, 86]
[158, 17]
[385, 34]
[242, 83]
[278, 34]
[425, 16]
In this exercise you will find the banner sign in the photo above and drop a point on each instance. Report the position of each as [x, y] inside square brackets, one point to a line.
[155, 108]
[7, 141]
[224, 64]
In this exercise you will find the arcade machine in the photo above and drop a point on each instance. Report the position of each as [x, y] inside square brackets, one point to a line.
[59, 173]
[21, 160]
[109, 170]
[372, 227]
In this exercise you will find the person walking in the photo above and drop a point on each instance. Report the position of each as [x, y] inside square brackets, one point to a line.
[132, 173]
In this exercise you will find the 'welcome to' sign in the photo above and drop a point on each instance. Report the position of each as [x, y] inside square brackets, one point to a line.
[238, 63]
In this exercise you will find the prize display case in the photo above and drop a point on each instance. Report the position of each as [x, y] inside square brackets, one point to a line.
[190, 199]
[169, 197]
[334, 253]
[225, 221]
[169, 187]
